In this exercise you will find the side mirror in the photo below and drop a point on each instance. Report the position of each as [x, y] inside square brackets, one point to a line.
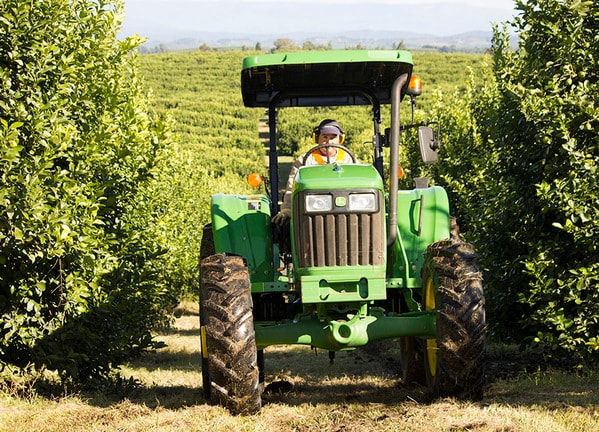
[428, 145]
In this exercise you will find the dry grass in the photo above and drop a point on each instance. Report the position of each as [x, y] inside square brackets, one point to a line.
[359, 392]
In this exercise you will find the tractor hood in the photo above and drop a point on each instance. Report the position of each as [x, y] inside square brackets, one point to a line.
[345, 177]
[323, 78]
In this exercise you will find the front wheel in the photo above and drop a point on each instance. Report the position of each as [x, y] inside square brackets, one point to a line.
[229, 356]
[452, 286]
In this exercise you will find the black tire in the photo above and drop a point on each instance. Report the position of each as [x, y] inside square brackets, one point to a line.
[229, 354]
[452, 284]
[207, 243]
[412, 361]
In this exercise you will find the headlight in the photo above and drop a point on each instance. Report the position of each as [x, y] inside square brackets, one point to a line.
[319, 203]
[362, 202]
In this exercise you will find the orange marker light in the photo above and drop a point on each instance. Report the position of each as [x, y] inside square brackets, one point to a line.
[415, 86]
[255, 179]
[400, 172]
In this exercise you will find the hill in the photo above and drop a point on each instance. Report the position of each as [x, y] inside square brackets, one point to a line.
[476, 41]
[182, 25]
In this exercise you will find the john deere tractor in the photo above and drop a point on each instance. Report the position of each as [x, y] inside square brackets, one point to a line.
[366, 261]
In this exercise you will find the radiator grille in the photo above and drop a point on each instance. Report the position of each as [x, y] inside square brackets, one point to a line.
[338, 239]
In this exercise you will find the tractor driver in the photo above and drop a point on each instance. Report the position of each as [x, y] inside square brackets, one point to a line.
[328, 132]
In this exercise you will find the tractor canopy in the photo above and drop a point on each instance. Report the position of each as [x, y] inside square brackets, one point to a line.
[323, 78]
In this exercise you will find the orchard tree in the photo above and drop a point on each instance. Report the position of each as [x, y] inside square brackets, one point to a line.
[521, 159]
[284, 44]
[80, 285]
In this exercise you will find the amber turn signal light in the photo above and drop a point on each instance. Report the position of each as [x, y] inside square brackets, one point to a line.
[255, 180]
[415, 86]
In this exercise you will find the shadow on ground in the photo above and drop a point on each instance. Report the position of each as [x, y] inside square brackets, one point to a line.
[298, 375]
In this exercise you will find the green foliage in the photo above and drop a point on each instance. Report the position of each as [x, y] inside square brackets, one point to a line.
[522, 166]
[77, 153]
[218, 146]
[440, 74]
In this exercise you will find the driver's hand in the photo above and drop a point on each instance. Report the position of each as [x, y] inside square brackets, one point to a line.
[282, 217]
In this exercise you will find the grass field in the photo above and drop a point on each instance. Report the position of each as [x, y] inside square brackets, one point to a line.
[358, 392]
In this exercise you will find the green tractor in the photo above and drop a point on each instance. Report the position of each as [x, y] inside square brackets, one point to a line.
[367, 261]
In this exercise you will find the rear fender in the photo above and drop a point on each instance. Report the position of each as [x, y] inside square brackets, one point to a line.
[242, 226]
[423, 218]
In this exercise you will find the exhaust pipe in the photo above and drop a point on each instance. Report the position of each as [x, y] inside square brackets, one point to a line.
[394, 156]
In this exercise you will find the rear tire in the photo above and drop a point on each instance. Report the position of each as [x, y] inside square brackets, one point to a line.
[207, 243]
[229, 355]
[452, 284]
[412, 361]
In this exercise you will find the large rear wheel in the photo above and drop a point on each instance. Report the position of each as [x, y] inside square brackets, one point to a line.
[207, 243]
[229, 356]
[412, 361]
[452, 286]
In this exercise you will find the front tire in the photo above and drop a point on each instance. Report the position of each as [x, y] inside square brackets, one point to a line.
[229, 355]
[452, 286]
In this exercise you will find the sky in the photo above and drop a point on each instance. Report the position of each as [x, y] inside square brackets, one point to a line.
[438, 17]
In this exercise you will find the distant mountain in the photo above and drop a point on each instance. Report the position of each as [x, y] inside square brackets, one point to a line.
[476, 41]
[187, 24]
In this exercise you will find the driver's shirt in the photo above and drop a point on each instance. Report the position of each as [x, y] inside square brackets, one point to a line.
[314, 158]
[317, 158]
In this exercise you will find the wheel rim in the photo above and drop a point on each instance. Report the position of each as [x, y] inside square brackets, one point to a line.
[431, 344]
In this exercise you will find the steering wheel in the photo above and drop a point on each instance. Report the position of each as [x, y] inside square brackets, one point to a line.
[337, 146]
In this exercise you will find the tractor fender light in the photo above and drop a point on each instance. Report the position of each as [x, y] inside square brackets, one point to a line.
[255, 180]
